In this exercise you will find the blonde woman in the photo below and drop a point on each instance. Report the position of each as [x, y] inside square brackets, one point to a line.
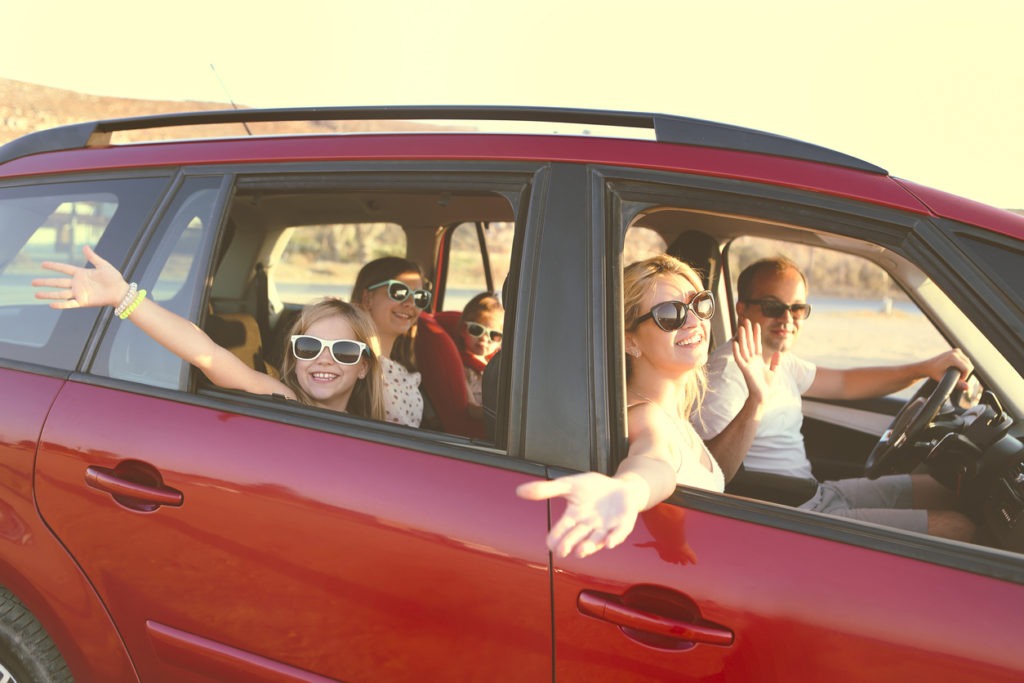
[666, 314]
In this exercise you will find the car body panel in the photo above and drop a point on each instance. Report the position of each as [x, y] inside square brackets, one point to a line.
[36, 567]
[960, 209]
[785, 598]
[327, 554]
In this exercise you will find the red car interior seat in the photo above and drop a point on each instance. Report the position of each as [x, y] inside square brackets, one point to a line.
[444, 381]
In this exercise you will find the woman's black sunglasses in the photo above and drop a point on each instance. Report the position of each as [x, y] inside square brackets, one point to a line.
[671, 315]
[773, 308]
[343, 351]
[399, 291]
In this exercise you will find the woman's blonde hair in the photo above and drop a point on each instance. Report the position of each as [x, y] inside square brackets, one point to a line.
[367, 399]
[638, 280]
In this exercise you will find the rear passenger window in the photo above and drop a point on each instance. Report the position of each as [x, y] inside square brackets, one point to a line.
[53, 223]
[174, 275]
[323, 260]
[479, 254]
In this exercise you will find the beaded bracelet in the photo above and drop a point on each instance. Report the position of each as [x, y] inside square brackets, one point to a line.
[133, 305]
[129, 297]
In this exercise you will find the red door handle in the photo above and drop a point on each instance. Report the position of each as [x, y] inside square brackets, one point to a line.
[131, 493]
[610, 608]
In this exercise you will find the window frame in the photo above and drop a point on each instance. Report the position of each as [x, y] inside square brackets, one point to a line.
[626, 192]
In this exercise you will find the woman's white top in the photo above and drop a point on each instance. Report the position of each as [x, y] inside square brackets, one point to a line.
[403, 402]
[689, 449]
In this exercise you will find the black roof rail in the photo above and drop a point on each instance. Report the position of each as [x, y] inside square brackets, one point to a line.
[674, 129]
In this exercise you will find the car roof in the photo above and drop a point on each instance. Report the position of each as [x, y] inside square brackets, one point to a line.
[710, 149]
[672, 129]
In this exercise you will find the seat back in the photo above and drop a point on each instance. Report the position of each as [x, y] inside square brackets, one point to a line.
[239, 333]
[700, 251]
[449, 320]
[444, 380]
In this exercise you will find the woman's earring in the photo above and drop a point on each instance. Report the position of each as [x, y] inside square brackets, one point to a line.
[635, 353]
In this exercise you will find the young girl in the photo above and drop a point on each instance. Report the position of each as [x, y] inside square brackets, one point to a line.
[392, 291]
[344, 376]
[666, 315]
[480, 335]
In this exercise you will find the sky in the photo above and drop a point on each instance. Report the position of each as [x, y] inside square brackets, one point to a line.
[931, 90]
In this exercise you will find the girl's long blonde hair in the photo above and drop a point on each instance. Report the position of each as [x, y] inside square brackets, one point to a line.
[367, 399]
[638, 280]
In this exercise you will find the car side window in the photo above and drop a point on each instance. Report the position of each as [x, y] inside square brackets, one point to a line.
[52, 223]
[174, 274]
[313, 235]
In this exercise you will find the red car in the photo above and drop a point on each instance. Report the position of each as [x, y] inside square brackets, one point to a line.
[154, 527]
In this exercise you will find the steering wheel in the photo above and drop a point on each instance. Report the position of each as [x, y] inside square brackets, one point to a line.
[915, 415]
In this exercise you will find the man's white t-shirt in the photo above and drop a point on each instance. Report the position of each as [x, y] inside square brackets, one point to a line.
[778, 446]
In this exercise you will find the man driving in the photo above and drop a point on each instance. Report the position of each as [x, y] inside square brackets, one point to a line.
[752, 413]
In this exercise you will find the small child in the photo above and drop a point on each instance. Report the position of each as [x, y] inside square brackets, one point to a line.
[481, 324]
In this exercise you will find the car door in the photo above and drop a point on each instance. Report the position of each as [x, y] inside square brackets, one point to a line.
[237, 538]
[235, 545]
[713, 587]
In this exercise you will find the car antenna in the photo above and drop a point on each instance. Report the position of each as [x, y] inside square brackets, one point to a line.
[233, 105]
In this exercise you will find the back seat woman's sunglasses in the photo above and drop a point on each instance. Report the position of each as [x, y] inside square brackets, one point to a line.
[671, 315]
[399, 292]
[478, 330]
[773, 308]
[343, 351]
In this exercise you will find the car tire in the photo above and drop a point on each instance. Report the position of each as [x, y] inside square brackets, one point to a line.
[27, 654]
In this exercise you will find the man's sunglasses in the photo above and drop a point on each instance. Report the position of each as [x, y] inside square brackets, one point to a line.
[343, 351]
[772, 308]
[671, 315]
[478, 330]
[399, 292]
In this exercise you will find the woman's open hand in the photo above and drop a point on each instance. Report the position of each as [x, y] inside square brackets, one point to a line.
[601, 513]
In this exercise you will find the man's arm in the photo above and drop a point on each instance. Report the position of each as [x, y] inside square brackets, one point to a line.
[730, 446]
[732, 443]
[857, 383]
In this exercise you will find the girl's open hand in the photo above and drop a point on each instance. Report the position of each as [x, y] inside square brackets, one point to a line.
[101, 285]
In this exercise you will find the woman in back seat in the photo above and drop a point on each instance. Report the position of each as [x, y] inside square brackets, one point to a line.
[391, 290]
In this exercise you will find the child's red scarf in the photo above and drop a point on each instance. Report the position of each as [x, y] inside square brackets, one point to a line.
[472, 362]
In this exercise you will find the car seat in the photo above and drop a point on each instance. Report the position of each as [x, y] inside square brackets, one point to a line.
[240, 334]
[443, 379]
[701, 252]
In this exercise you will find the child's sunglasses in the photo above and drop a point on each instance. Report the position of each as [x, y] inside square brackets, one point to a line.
[343, 351]
[399, 292]
[478, 330]
[773, 308]
[671, 315]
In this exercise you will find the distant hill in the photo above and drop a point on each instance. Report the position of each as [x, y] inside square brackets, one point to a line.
[26, 107]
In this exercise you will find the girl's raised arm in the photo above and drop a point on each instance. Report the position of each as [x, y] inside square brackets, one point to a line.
[103, 285]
